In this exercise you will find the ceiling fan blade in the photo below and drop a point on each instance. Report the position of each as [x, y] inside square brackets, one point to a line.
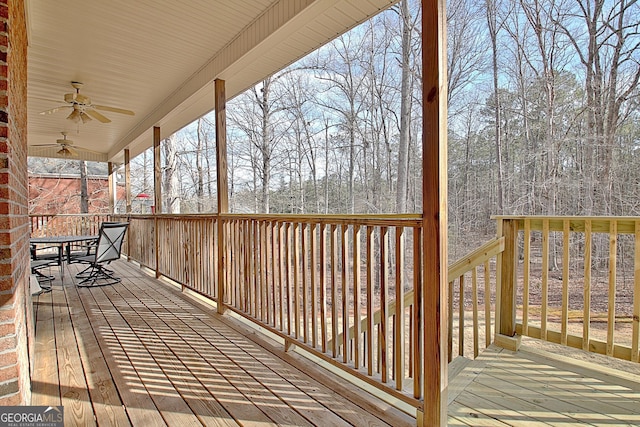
[85, 118]
[56, 109]
[114, 110]
[82, 99]
[44, 145]
[99, 117]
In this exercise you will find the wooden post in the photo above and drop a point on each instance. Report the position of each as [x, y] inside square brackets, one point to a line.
[157, 171]
[127, 179]
[506, 286]
[434, 213]
[127, 186]
[222, 190]
[157, 192]
[110, 172]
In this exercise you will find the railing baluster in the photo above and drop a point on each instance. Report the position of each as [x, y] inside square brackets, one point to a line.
[264, 277]
[635, 334]
[296, 278]
[461, 317]
[487, 304]
[305, 283]
[275, 278]
[344, 265]
[565, 282]
[314, 272]
[334, 289]
[474, 297]
[545, 279]
[281, 272]
[526, 276]
[323, 288]
[356, 295]
[370, 273]
[450, 326]
[611, 325]
[384, 301]
[417, 313]
[399, 328]
[586, 321]
[287, 275]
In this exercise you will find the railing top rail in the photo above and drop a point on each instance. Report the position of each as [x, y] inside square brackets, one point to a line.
[411, 220]
[476, 257]
[69, 215]
[569, 217]
[599, 224]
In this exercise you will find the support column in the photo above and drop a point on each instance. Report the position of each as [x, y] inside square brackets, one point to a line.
[157, 171]
[434, 213]
[127, 179]
[157, 194]
[222, 182]
[127, 191]
[112, 198]
[506, 279]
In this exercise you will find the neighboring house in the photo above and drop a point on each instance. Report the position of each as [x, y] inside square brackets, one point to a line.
[61, 194]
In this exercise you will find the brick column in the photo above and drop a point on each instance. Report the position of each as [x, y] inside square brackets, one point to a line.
[16, 315]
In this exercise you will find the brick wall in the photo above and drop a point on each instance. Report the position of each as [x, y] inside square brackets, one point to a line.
[16, 324]
[61, 194]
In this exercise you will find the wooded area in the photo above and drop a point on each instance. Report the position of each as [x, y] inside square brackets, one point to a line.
[543, 119]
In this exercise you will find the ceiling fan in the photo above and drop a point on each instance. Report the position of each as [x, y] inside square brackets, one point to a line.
[82, 108]
[66, 147]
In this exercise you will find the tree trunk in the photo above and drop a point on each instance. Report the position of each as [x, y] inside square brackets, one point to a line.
[170, 177]
[200, 171]
[405, 111]
[493, 35]
[84, 188]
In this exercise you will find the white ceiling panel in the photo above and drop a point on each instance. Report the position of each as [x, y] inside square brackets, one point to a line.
[159, 58]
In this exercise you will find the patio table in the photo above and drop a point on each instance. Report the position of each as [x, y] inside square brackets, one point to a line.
[61, 242]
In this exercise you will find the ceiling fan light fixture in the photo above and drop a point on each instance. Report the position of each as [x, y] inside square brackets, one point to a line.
[83, 109]
[75, 116]
[64, 152]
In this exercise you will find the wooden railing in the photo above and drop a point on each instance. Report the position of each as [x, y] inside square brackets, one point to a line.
[342, 287]
[339, 286]
[577, 282]
[312, 280]
[48, 225]
[479, 292]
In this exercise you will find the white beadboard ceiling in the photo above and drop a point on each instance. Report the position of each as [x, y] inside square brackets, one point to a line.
[159, 58]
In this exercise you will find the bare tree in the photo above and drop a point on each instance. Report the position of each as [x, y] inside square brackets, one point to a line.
[84, 187]
[408, 24]
[494, 28]
[607, 45]
[170, 181]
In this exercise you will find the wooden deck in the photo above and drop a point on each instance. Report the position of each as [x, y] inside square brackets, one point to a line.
[141, 353]
[534, 387]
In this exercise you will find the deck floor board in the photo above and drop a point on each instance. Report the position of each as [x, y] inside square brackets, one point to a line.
[142, 353]
[530, 387]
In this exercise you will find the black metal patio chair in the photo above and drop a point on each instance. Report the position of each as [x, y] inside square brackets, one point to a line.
[45, 257]
[108, 248]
